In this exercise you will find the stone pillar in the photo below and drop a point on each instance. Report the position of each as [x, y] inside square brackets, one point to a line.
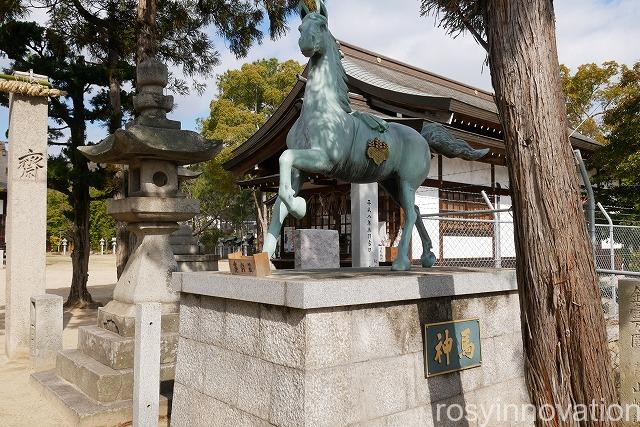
[629, 344]
[146, 365]
[46, 330]
[26, 216]
[364, 225]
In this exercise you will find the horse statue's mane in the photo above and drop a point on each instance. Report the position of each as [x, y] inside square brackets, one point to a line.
[341, 89]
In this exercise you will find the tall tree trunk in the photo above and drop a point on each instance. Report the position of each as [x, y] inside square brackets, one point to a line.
[565, 345]
[79, 296]
[147, 37]
[124, 238]
[262, 216]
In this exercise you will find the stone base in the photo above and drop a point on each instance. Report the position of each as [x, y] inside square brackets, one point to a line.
[341, 347]
[120, 318]
[83, 411]
[316, 248]
[94, 384]
[189, 263]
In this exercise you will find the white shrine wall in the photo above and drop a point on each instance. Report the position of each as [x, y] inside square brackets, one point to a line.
[427, 199]
[466, 172]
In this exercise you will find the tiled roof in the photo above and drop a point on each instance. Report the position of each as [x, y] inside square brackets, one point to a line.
[387, 78]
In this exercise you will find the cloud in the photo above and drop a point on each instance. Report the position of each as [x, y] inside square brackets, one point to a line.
[587, 31]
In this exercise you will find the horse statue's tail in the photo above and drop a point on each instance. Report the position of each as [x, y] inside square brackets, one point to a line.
[441, 140]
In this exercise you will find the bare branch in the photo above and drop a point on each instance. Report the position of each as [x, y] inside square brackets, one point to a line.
[91, 18]
[476, 35]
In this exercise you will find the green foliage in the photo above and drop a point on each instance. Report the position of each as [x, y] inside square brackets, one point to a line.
[247, 97]
[590, 93]
[618, 162]
[60, 221]
[101, 225]
[458, 16]
[59, 225]
[11, 9]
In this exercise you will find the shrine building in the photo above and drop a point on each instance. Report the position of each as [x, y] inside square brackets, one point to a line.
[397, 92]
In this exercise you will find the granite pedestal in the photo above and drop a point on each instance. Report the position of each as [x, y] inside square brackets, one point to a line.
[316, 249]
[340, 347]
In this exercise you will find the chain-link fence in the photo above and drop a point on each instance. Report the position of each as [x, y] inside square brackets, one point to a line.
[617, 255]
[472, 242]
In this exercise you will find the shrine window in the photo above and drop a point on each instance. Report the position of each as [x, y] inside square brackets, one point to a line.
[452, 201]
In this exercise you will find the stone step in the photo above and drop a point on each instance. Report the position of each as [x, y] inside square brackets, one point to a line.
[189, 263]
[183, 240]
[99, 381]
[184, 230]
[125, 325]
[116, 351]
[185, 249]
[82, 411]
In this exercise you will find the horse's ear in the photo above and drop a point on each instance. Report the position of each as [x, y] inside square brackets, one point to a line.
[323, 9]
[304, 8]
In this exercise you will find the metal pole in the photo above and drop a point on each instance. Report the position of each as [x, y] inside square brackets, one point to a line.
[591, 206]
[612, 254]
[478, 212]
[496, 231]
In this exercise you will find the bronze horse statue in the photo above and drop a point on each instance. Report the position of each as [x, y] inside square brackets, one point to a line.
[330, 139]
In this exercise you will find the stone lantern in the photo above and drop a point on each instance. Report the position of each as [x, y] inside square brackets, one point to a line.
[154, 147]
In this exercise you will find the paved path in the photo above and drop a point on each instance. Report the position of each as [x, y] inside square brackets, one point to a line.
[20, 404]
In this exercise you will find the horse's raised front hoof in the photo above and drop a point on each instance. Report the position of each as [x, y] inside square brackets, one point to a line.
[401, 264]
[270, 244]
[298, 207]
[428, 259]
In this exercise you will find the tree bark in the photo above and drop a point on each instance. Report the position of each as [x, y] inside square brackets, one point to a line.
[80, 199]
[262, 216]
[147, 37]
[123, 236]
[565, 345]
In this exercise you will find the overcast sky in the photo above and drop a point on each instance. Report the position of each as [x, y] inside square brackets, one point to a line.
[587, 31]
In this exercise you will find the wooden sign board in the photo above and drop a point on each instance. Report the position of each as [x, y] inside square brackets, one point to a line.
[452, 346]
[255, 265]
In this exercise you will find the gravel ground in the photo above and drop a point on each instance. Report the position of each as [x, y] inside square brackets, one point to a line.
[20, 403]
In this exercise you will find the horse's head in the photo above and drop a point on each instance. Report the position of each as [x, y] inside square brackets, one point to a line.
[313, 28]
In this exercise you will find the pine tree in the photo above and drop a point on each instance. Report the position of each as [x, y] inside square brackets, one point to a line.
[88, 49]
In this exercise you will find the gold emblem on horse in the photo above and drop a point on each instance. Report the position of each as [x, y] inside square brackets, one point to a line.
[377, 150]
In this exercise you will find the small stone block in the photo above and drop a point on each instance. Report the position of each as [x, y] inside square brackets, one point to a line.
[46, 330]
[316, 248]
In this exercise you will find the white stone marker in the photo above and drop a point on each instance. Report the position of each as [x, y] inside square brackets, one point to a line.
[113, 245]
[26, 227]
[102, 246]
[364, 225]
[316, 248]
[146, 365]
[629, 343]
[46, 330]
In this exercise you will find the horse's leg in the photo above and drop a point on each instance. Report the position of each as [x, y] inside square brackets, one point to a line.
[406, 194]
[427, 258]
[279, 213]
[311, 161]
